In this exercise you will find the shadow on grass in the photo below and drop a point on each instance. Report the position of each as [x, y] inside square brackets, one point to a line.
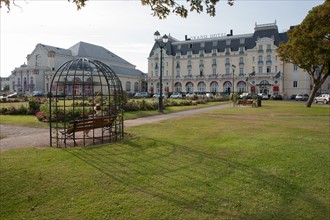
[199, 182]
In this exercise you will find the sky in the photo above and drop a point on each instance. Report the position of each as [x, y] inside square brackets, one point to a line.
[126, 28]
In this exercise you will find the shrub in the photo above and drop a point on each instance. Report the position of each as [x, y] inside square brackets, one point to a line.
[42, 116]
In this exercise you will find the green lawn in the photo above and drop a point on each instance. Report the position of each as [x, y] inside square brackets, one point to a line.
[235, 163]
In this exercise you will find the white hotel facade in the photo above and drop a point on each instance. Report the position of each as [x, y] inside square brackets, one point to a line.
[223, 63]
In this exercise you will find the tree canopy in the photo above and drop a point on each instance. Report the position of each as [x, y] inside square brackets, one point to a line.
[308, 46]
[160, 8]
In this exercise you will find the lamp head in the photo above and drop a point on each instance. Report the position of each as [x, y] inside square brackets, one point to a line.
[165, 38]
[157, 35]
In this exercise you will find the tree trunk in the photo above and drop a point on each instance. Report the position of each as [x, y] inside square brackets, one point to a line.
[312, 95]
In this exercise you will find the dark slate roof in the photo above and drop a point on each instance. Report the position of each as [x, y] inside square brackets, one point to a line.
[267, 30]
[88, 50]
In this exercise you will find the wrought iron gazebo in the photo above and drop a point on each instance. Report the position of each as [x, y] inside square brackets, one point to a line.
[85, 104]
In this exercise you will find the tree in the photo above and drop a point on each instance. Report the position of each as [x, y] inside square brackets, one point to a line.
[159, 8]
[308, 47]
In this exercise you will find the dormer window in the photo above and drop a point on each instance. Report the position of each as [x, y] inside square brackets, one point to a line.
[228, 42]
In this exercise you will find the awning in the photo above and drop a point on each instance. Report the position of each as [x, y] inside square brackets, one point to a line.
[253, 88]
[275, 88]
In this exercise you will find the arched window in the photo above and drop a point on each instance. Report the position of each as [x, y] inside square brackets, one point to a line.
[214, 87]
[201, 87]
[227, 87]
[241, 86]
[178, 87]
[136, 87]
[128, 86]
[189, 87]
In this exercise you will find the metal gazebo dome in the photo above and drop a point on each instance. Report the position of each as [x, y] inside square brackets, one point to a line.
[85, 104]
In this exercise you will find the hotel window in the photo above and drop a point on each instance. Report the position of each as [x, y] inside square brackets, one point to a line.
[215, 43]
[190, 45]
[179, 47]
[260, 47]
[189, 73]
[269, 48]
[189, 64]
[227, 61]
[241, 71]
[269, 57]
[275, 69]
[269, 69]
[241, 60]
[177, 64]
[201, 87]
[177, 73]
[228, 42]
[295, 68]
[227, 71]
[203, 44]
[227, 51]
[242, 40]
[260, 69]
[295, 84]
[260, 58]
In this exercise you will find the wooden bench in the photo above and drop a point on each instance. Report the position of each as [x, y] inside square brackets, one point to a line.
[105, 122]
[247, 102]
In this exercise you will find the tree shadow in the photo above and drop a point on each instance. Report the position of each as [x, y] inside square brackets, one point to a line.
[182, 176]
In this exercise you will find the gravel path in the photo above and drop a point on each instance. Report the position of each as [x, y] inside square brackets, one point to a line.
[20, 137]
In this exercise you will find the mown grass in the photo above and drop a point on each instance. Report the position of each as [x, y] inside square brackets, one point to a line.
[234, 163]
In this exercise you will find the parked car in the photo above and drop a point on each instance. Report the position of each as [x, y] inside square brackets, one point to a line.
[263, 96]
[13, 95]
[190, 95]
[293, 96]
[276, 97]
[209, 95]
[302, 97]
[157, 95]
[141, 95]
[37, 93]
[325, 98]
[176, 95]
[246, 95]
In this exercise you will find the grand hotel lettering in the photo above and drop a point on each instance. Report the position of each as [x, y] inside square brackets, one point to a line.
[206, 36]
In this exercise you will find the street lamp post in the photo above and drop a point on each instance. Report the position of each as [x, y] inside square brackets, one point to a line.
[233, 67]
[161, 42]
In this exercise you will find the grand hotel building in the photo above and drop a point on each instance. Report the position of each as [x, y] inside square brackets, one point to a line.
[223, 63]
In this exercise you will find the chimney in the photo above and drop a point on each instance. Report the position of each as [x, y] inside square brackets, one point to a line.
[231, 33]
